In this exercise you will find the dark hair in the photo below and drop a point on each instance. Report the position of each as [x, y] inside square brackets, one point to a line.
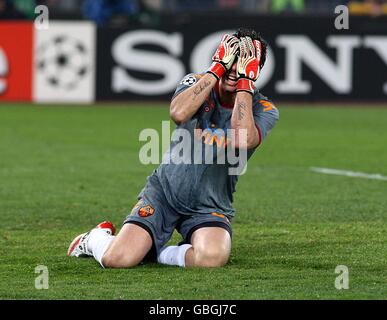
[245, 32]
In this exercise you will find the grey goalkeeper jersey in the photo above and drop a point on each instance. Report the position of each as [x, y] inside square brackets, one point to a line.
[195, 175]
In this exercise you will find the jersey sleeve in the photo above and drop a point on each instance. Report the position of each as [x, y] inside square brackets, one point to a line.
[265, 115]
[188, 81]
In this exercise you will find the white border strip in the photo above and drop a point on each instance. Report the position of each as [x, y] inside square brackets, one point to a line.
[347, 173]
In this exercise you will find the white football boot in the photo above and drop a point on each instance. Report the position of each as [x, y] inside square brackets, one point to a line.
[78, 247]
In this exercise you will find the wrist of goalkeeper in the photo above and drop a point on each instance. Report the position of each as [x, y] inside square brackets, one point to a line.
[245, 84]
[217, 69]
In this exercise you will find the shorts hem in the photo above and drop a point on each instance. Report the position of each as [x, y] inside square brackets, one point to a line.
[206, 224]
[152, 254]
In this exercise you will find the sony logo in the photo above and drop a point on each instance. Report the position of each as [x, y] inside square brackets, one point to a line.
[300, 51]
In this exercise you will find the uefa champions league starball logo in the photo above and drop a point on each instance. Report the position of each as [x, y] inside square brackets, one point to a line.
[63, 62]
[189, 80]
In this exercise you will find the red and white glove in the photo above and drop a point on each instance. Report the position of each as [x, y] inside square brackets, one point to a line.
[224, 56]
[248, 64]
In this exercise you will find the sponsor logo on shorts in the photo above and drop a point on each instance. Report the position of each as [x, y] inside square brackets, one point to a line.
[146, 211]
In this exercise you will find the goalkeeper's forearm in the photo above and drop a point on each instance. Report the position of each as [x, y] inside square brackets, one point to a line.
[185, 104]
[242, 119]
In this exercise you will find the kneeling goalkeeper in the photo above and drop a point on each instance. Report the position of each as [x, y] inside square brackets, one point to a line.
[195, 199]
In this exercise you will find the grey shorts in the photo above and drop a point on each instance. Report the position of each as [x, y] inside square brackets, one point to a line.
[153, 213]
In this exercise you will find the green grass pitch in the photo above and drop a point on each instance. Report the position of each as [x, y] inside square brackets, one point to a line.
[63, 169]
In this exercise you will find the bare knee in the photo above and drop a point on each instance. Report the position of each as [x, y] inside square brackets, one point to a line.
[210, 257]
[211, 247]
[119, 260]
[129, 247]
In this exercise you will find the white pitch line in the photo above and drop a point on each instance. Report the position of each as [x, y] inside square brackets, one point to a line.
[347, 173]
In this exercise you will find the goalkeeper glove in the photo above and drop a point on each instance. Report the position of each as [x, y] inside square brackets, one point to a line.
[248, 64]
[224, 56]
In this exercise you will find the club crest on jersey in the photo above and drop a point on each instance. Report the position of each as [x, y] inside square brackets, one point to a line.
[188, 80]
[146, 211]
